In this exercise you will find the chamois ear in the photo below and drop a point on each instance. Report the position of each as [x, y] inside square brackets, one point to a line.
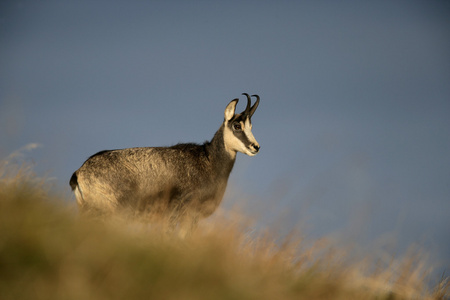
[230, 109]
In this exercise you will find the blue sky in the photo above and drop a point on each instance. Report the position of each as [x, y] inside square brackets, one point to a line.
[353, 123]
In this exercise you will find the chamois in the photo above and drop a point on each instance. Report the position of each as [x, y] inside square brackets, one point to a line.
[184, 177]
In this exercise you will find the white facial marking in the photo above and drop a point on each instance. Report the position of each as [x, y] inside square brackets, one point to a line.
[231, 142]
[248, 132]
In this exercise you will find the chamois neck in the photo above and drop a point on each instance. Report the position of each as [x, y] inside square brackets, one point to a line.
[217, 149]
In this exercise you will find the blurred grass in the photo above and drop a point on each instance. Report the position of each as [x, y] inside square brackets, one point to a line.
[47, 251]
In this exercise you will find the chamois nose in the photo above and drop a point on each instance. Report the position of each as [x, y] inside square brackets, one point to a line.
[256, 147]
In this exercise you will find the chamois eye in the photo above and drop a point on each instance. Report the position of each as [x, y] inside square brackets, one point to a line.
[237, 126]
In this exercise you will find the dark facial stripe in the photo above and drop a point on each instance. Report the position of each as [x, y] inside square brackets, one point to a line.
[239, 134]
[243, 138]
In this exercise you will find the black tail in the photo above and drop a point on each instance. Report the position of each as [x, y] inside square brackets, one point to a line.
[73, 181]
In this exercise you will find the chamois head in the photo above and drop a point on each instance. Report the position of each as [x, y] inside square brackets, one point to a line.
[238, 134]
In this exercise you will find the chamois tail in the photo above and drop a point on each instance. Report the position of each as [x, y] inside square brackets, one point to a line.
[73, 181]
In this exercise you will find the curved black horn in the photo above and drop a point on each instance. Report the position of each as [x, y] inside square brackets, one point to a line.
[249, 103]
[252, 110]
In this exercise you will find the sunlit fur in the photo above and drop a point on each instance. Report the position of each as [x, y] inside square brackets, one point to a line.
[184, 177]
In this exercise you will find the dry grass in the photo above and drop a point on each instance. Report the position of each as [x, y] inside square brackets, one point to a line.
[47, 251]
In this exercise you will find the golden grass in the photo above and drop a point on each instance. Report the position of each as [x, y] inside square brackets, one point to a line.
[47, 251]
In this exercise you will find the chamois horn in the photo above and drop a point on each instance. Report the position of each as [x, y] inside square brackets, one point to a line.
[252, 110]
[249, 103]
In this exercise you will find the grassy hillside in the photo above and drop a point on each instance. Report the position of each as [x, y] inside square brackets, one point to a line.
[47, 251]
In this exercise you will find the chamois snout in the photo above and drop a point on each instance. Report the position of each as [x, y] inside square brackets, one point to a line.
[255, 148]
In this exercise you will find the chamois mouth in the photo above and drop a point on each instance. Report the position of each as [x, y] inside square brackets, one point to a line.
[254, 149]
[252, 153]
